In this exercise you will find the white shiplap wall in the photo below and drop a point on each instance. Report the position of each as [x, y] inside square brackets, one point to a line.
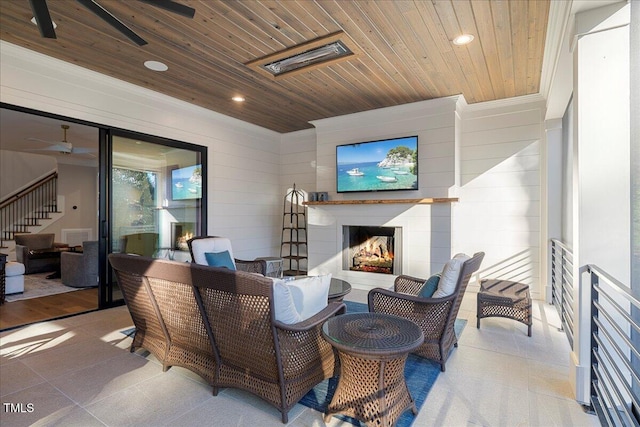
[298, 161]
[488, 155]
[244, 173]
[500, 205]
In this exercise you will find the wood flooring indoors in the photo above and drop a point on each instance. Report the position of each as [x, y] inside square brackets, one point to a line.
[23, 312]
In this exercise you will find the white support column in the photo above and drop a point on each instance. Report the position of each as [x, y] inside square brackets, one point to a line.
[601, 203]
[551, 187]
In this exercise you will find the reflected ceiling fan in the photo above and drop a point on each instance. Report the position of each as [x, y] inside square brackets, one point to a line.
[45, 24]
[63, 147]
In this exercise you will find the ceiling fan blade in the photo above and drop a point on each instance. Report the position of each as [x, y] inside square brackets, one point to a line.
[43, 18]
[82, 150]
[55, 148]
[106, 16]
[172, 6]
[43, 140]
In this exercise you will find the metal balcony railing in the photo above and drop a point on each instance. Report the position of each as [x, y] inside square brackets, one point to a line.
[615, 358]
[562, 285]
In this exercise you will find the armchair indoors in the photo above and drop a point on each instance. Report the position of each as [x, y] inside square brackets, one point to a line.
[200, 246]
[435, 316]
[80, 269]
[38, 252]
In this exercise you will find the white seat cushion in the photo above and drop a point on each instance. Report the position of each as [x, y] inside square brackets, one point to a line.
[310, 294]
[210, 244]
[450, 274]
[299, 299]
[284, 307]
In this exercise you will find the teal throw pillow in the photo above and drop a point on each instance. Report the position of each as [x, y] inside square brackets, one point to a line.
[220, 259]
[430, 286]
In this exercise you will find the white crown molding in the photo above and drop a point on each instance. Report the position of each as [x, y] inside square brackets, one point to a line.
[506, 103]
[558, 22]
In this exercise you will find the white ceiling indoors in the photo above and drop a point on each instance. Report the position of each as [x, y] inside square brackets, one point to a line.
[18, 129]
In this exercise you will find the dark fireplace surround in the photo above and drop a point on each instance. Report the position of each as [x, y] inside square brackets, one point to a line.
[372, 249]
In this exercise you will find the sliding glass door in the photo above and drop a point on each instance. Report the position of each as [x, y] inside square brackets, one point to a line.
[156, 199]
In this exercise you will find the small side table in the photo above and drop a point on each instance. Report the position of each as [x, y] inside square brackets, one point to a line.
[338, 289]
[373, 349]
[275, 266]
[504, 298]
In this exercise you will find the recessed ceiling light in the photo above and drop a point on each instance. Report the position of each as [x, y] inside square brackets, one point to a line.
[463, 39]
[238, 98]
[156, 66]
[34, 22]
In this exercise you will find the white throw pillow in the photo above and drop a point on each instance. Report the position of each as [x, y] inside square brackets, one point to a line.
[310, 294]
[285, 309]
[450, 274]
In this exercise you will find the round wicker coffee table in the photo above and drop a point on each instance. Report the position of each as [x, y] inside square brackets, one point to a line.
[373, 349]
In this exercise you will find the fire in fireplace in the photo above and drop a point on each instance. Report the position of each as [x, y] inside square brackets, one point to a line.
[180, 233]
[371, 249]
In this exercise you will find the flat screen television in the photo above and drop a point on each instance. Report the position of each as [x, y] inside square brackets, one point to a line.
[186, 183]
[383, 165]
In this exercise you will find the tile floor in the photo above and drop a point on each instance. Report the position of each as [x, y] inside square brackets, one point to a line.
[78, 372]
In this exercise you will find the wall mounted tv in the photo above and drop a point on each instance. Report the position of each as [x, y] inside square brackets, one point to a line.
[186, 183]
[384, 165]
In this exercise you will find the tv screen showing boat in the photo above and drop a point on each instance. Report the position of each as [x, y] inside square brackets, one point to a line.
[383, 165]
[186, 183]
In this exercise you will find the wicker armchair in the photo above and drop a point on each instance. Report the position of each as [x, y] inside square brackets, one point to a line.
[278, 362]
[435, 316]
[199, 245]
[159, 296]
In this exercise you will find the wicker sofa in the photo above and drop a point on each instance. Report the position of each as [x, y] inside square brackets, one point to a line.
[176, 306]
[168, 324]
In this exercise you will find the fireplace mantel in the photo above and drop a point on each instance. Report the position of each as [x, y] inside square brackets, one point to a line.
[427, 201]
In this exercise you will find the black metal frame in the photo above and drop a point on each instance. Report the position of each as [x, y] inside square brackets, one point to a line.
[615, 354]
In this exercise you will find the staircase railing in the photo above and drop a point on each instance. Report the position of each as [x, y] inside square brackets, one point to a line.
[27, 207]
[615, 356]
[562, 285]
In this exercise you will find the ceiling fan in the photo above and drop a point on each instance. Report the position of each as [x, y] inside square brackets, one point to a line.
[45, 24]
[62, 147]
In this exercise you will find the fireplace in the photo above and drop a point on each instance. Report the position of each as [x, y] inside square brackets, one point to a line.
[180, 233]
[372, 249]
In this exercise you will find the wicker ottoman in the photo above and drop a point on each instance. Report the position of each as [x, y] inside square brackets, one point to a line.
[504, 298]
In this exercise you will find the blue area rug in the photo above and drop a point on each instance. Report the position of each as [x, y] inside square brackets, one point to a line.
[419, 373]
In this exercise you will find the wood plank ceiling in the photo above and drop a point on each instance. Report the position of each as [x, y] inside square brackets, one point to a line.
[405, 53]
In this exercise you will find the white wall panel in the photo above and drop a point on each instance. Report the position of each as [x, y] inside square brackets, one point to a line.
[242, 158]
[499, 208]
